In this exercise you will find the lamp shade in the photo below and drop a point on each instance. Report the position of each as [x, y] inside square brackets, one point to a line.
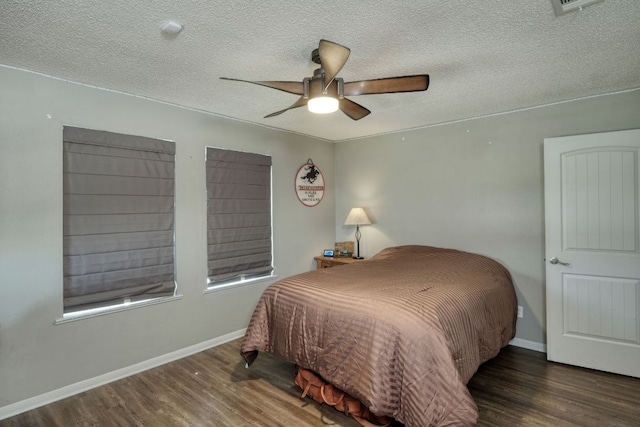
[357, 216]
[323, 104]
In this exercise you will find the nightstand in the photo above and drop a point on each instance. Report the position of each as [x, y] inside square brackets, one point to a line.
[328, 262]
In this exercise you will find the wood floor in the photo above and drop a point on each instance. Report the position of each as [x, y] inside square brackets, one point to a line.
[212, 388]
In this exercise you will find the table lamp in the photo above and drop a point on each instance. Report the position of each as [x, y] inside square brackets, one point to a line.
[357, 217]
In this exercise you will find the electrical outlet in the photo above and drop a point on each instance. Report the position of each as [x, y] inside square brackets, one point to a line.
[520, 312]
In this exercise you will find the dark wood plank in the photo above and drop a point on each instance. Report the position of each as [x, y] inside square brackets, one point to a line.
[212, 388]
[520, 387]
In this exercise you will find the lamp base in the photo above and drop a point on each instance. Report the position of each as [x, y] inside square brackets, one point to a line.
[358, 257]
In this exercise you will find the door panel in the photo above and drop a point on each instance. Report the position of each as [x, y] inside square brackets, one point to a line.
[592, 226]
[599, 200]
[601, 307]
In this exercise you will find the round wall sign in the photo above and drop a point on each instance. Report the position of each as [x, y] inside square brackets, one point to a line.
[309, 184]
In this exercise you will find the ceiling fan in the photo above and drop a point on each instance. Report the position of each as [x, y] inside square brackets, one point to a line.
[325, 93]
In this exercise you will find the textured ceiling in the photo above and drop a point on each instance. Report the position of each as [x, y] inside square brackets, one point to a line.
[483, 56]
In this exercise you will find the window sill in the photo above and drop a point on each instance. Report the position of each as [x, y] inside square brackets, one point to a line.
[225, 286]
[88, 314]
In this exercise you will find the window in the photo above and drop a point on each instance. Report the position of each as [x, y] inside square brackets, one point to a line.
[238, 216]
[118, 219]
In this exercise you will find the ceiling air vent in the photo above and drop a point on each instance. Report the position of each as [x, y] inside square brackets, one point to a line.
[565, 6]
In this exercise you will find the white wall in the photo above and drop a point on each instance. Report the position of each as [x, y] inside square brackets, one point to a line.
[37, 356]
[475, 185]
[443, 185]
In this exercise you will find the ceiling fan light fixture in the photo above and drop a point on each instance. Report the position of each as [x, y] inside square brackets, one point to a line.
[325, 93]
[323, 104]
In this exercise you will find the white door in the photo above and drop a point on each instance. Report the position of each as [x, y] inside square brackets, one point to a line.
[592, 210]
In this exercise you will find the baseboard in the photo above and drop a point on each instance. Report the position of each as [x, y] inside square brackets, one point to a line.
[531, 345]
[72, 389]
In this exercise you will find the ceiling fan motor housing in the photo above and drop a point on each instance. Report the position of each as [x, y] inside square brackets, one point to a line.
[315, 86]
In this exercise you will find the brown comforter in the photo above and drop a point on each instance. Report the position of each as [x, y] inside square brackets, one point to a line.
[403, 332]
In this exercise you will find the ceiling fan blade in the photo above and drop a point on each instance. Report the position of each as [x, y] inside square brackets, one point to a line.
[302, 101]
[388, 85]
[332, 58]
[296, 88]
[353, 110]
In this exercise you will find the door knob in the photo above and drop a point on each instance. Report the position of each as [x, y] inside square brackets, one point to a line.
[554, 261]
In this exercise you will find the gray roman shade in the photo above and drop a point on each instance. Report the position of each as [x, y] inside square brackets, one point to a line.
[238, 215]
[118, 218]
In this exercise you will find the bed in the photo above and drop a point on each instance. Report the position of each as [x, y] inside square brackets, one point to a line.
[403, 331]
